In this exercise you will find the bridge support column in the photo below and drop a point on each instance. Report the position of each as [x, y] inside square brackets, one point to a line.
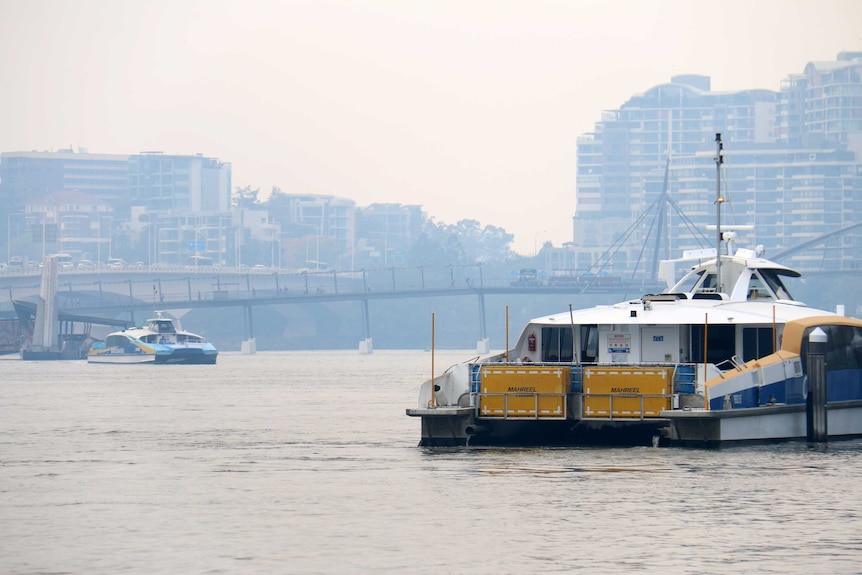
[365, 346]
[249, 345]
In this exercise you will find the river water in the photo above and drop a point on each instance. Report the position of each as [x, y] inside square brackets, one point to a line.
[304, 462]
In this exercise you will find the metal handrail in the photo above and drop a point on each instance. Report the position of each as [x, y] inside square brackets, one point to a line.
[535, 414]
[611, 396]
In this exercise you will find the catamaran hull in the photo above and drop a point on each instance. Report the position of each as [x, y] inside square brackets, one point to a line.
[187, 358]
[117, 358]
[197, 357]
[765, 424]
[460, 427]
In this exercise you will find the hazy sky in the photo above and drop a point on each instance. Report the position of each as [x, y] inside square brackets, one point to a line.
[469, 108]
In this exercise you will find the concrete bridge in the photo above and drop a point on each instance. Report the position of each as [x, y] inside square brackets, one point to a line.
[102, 296]
[125, 296]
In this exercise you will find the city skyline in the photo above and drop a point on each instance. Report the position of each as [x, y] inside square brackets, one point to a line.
[471, 110]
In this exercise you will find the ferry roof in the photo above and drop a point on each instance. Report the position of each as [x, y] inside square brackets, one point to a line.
[683, 312]
[749, 259]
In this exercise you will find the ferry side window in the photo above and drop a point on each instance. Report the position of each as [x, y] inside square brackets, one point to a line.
[556, 344]
[756, 290]
[589, 343]
[566, 345]
[709, 283]
[840, 354]
[774, 281]
[689, 282]
[721, 343]
[756, 342]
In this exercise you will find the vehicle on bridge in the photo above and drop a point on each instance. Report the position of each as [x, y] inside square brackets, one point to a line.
[527, 277]
[65, 261]
[159, 340]
[571, 278]
[199, 262]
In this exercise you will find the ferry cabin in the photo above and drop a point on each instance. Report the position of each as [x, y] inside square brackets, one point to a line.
[693, 323]
[704, 323]
[687, 341]
[652, 330]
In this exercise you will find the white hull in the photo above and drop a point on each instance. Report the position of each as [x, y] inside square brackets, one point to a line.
[121, 358]
[769, 423]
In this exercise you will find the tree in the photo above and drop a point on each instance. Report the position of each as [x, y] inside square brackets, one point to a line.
[246, 197]
[465, 242]
[280, 207]
[496, 245]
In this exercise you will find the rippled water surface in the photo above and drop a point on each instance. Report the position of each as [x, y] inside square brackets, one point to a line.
[305, 463]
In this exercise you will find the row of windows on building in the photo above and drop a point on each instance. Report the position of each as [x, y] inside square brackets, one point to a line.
[791, 162]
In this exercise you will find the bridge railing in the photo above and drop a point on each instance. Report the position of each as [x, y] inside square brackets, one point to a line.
[155, 284]
[185, 282]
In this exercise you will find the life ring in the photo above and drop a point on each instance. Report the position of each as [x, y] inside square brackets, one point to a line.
[527, 359]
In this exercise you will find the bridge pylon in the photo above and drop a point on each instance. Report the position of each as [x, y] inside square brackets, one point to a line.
[248, 345]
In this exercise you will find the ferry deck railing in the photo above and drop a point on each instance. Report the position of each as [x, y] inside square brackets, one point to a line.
[521, 414]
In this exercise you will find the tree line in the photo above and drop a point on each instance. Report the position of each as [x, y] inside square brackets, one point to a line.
[465, 242]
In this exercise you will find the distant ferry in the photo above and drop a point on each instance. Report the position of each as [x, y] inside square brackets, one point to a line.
[159, 340]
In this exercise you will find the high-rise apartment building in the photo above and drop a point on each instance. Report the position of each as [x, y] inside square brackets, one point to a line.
[28, 176]
[32, 184]
[167, 183]
[791, 166]
[388, 231]
[322, 215]
[155, 184]
[823, 104]
[68, 222]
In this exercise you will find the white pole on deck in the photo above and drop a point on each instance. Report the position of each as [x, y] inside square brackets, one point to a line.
[433, 385]
[507, 334]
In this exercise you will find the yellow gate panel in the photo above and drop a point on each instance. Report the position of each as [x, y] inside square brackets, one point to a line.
[597, 406]
[524, 391]
[617, 392]
[552, 405]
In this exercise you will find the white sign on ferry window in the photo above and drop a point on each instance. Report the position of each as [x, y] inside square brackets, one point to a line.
[619, 343]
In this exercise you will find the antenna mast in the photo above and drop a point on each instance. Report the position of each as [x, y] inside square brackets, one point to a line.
[719, 159]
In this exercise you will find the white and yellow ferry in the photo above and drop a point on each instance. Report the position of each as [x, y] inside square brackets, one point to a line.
[721, 356]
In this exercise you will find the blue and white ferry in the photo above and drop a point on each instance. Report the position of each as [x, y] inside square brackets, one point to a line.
[158, 340]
